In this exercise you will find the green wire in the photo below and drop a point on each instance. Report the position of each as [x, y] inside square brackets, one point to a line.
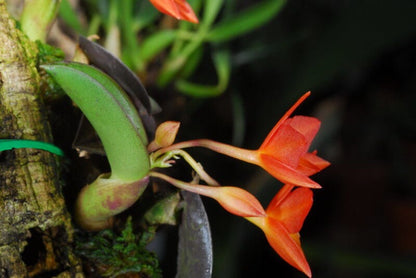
[8, 144]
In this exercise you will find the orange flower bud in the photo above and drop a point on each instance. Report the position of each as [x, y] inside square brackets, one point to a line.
[165, 135]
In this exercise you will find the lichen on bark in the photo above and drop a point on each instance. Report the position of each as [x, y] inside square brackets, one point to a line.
[32, 208]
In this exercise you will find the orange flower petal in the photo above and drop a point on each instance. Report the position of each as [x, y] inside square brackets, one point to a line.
[293, 209]
[310, 164]
[287, 145]
[307, 126]
[286, 245]
[280, 196]
[179, 9]
[284, 173]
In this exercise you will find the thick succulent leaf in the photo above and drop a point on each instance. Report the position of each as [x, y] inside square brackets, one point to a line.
[108, 109]
[129, 81]
[195, 243]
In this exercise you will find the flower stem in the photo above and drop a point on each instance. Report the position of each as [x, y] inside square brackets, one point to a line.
[195, 188]
[249, 156]
[190, 160]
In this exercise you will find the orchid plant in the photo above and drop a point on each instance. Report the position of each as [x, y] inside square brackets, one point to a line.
[135, 159]
[284, 154]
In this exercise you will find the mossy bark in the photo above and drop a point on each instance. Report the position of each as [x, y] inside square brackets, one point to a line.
[35, 227]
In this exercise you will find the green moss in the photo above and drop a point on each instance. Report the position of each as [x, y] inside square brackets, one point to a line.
[49, 54]
[113, 255]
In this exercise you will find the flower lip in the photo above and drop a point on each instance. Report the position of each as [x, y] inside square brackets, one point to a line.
[285, 173]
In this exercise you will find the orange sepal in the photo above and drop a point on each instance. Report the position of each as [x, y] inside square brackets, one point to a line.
[179, 9]
[238, 201]
[293, 209]
[287, 145]
[286, 245]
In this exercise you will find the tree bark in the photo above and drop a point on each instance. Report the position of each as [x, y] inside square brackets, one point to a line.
[35, 228]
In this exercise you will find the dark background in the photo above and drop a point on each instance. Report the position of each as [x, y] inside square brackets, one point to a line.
[358, 58]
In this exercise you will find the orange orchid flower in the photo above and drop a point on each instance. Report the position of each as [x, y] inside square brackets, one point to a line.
[179, 9]
[283, 221]
[284, 152]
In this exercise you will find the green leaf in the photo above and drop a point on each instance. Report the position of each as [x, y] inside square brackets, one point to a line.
[145, 15]
[123, 76]
[222, 65]
[155, 43]
[245, 21]
[192, 63]
[111, 114]
[211, 10]
[67, 13]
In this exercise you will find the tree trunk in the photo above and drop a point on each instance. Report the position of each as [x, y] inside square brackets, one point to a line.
[36, 235]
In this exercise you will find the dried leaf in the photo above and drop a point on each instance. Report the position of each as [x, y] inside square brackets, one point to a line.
[195, 243]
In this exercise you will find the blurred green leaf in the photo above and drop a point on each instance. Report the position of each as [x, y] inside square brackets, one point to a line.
[145, 16]
[222, 65]
[94, 24]
[211, 10]
[192, 63]
[130, 49]
[69, 16]
[245, 21]
[155, 43]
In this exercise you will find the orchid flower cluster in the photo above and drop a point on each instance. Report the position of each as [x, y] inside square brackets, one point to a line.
[284, 154]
